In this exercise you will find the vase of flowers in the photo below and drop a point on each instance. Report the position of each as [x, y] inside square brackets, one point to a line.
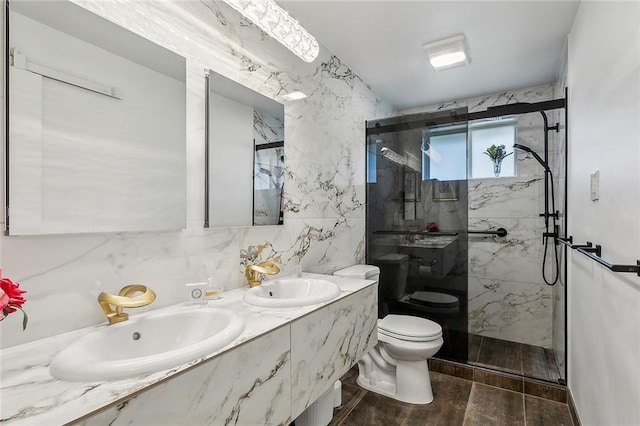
[11, 299]
[497, 153]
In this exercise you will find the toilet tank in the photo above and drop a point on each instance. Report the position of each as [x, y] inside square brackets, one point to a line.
[362, 272]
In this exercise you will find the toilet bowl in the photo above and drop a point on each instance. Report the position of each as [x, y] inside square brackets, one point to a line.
[397, 366]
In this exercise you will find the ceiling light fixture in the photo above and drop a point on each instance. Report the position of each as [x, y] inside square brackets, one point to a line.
[294, 96]
[448, 53]
[276, 22]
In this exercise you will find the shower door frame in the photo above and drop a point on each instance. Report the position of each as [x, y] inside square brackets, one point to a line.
[428, 119]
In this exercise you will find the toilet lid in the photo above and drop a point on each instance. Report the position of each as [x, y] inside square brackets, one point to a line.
[409, 327]
[434, 298]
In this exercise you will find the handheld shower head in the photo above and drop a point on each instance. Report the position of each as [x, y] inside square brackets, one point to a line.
[535, 155]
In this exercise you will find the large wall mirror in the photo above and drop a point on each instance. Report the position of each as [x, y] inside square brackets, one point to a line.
[245, 159]
[96, 125]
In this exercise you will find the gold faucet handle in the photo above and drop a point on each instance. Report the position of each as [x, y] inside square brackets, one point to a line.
[252, 272]
[124, 298]
[268, 267]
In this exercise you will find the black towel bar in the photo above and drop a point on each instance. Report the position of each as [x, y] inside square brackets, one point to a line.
[500, 232]
[594, 253]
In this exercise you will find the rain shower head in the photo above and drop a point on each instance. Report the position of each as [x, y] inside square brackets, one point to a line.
[535, 155]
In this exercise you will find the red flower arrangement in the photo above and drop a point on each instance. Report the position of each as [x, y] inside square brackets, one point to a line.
[11, 299]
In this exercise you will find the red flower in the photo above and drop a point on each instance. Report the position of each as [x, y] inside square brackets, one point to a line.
[11, 298]
[4, 302]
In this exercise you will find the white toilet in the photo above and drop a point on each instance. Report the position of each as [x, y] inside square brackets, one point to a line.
[397, 366]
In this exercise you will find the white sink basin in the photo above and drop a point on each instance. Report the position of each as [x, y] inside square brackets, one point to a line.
[147, 343]
[291, 292]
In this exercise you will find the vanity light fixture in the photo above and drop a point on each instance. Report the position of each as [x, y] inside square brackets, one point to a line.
[276, 22]
[448, 53]
[294, 96]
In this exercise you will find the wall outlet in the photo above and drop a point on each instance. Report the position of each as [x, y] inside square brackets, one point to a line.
[595, 185]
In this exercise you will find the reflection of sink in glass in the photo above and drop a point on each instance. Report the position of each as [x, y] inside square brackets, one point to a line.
[291, 292]
[146, 343]
[432, 242]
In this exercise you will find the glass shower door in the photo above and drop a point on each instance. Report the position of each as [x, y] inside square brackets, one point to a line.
[460, 243]
[417, 220]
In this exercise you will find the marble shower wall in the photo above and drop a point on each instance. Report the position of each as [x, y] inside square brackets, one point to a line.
[324, 178]
[507, 296]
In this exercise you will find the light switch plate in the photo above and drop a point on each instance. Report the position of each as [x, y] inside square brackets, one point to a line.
[595, 185]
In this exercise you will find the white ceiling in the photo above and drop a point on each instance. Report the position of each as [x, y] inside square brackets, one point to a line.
[514, 44]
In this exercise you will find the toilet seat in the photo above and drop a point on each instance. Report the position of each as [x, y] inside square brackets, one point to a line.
[435, 299]
[409, 328]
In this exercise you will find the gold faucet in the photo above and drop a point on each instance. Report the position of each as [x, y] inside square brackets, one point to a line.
[252, 272]
[123, 300]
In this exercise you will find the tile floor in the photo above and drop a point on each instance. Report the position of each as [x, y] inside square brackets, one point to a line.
[511, 357]
[456, 402]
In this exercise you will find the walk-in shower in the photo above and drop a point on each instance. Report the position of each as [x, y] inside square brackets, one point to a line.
[463, 247]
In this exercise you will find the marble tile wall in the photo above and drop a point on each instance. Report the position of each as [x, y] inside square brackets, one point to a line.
[324, 179]
[507, 296]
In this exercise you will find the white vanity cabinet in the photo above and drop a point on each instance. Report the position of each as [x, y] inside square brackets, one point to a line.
[268, 380]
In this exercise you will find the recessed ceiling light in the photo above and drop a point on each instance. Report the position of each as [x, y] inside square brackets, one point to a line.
[294, 96]
[448, 53]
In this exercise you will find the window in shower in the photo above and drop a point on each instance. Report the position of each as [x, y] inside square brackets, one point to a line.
[372, 171]
[483, 134]
[444, 151]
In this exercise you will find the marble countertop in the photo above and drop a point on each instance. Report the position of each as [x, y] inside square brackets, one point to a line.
[30, 395]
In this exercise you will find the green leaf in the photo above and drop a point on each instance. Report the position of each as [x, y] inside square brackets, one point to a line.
[25, 318]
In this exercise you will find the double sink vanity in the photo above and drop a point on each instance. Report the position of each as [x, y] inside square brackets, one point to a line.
[254, 356]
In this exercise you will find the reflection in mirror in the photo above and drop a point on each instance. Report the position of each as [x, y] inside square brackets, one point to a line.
[97, 125]
[245, 159]
[268, 183]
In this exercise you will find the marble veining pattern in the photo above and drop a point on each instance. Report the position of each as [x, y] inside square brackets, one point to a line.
[250, 386]
[517, 257]
[507, 297]
[509, 310]
[506, 197]
[316, 365]
[325, 158]
[30, 395]
[481, 103]
[318, 245]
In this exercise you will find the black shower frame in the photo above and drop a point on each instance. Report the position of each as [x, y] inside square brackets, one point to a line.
[417, 121]
[459, 115]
